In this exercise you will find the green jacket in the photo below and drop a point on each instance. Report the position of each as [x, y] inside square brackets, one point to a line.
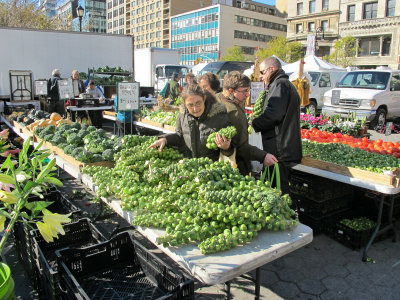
[174, 90]
[244, 151]
[193, 132]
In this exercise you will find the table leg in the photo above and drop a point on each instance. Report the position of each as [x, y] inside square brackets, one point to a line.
[378, 225]
[228, 290]
[257, 284]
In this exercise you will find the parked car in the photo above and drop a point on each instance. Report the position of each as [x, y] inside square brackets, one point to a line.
[221, 68]
[374, 94]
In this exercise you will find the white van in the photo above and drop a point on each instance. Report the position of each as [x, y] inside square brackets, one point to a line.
[374, 94]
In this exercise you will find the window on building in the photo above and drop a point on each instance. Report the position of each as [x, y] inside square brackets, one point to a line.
[133, 3]
[115, 13]
[370, 10]
[311, 6]
[351, 12]
[158, 4]
[121, 10]
[109, 5]
[152, 35]
[152, 25]
[390, 8]
[299, 28]
[324, 25]
[311, 27]
[121, 22]
[121, 1]
[369, 46]
[158, 24]
[252, 7]
[115, 2]
[158, 34]
[158, 44]
[386, 46]
[325, 4]
[299, 8]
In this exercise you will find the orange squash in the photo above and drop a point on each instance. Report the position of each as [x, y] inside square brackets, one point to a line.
[55, 117]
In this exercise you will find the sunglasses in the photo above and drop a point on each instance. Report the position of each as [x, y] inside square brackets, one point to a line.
[264, 71]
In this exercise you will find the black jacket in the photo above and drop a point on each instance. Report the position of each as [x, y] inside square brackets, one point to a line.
[193, 132]
[280, 122]
[52, 88]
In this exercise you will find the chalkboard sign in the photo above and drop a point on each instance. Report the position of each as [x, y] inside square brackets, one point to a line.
[128, 96]
[255, 89]
[65, 89]
[40, 87]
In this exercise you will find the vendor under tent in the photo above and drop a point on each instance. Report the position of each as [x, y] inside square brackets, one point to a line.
[311, 63]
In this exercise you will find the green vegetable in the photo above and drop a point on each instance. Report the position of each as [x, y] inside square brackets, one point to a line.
[108, 155]
[229, 132]
[259, 105]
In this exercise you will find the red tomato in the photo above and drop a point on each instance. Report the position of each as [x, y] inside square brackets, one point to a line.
[378, 142]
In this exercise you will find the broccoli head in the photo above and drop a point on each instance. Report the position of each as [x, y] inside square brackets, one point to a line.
[48, 137]
[77, 151]
[57, 139]
[82, 133]
[91, 128]
[69, 149]
[62, 146]
[108, 155]
[63, 127]
[101, 132]
[38, 130]
[76, 125]
[97, 158]
[73, 139]
[84, 126]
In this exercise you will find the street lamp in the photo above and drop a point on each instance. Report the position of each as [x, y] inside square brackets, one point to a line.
[80, 11]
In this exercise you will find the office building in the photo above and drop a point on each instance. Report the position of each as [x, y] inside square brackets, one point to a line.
[95, 15]
[206, 33]
[48, 7]
[66, 11]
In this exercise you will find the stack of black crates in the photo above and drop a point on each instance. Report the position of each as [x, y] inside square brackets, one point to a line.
[320, 201]
[89, 266]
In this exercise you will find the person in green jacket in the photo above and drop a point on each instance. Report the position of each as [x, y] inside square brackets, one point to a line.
[201, 115]
[236, 89]
[174, 89]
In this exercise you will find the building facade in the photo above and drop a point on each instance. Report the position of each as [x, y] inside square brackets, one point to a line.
[376, 26]
[67, 12]
[48, 7]
[316, 20]
[206, 33]
[95, 11]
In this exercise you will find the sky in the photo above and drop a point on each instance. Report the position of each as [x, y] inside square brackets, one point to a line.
[270, 2]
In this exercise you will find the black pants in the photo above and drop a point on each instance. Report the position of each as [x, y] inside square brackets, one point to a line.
[125, 128]
[57, 106]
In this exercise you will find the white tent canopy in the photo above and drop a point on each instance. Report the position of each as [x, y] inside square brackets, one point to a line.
[197, 68]
[312, 63]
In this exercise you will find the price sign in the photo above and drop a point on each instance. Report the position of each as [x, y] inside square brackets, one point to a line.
[255, 89]
[65, 89]
[128, 96]
[40, 87]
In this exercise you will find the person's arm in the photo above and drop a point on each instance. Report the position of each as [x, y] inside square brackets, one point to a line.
[176, 139]
[278, 99]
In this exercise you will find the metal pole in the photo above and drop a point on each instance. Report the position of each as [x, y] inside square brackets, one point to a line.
[80, 24]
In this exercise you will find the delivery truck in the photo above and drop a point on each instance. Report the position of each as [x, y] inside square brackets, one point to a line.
[41, 51]
[155, 66]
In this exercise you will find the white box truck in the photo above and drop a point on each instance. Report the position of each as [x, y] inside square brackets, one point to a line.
[155, 66]
[41, 51]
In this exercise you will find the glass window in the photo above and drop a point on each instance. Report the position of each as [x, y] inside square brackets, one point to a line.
[390, 8]
[324, 25]
[299, 9]
[299, 28]
[386, 46]
[395, 83]
[311, 27]
[325, 4]
[370, 10]
[311, 6]
[351, 10]
[369, 46]
[325, 80]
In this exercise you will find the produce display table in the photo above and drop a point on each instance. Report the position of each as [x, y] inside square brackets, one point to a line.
[213, 268]
[145, 125]
[383, 191]
[88, 108]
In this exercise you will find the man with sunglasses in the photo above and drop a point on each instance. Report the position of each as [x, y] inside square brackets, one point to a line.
[280, 122]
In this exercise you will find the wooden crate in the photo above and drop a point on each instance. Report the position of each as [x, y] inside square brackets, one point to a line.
[391, 180]
[110, 113]
[152, 123]
[169, 127]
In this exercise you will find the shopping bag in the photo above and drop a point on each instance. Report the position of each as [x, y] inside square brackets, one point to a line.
[274, 176]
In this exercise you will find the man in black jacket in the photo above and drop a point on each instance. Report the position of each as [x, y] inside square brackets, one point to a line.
[280, 122]
[55, 104]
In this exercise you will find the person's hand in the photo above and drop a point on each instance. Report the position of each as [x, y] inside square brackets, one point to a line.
[101, 99]
[222, 142]
[159, 143]
[270, 159]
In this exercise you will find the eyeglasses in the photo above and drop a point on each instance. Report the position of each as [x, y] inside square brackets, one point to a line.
[264, 71]
[243, 91]
[196, 104]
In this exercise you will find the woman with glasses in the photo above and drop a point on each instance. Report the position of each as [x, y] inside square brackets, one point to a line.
[235, 92]
[200, 116]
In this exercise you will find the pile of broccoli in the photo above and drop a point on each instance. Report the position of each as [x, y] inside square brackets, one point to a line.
[84, 143]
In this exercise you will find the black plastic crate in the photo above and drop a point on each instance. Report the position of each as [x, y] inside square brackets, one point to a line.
[120, 268]
[349, 237]
[77, 234]
[21, 231]
[319, 209]
[317, 188]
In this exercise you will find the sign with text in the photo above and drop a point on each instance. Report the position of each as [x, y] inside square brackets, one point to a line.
[40, 87]
[65, 89]
[255, 89]
[310, 50]
[128, 96]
